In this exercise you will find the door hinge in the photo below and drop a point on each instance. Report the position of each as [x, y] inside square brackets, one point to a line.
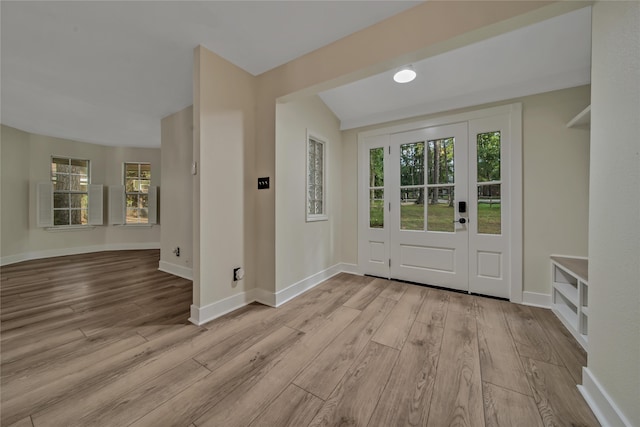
[389, 262]
[389, 206]
[389, 149]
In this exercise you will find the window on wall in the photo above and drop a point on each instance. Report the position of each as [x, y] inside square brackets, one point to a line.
[316, 179]
[137, 180]
[70, 179]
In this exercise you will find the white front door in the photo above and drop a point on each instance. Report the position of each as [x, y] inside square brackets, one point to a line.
[435, 205]
[427, 179]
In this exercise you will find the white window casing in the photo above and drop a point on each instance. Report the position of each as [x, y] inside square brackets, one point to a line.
[316, 179]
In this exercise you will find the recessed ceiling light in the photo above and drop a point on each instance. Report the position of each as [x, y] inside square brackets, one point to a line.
[405, 75]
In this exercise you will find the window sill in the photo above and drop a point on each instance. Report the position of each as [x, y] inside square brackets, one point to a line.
[135, 225]
[70, 228]
[316, 218]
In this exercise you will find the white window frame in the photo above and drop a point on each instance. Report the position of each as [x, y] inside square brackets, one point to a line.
[312, 217]
[126, 193]
[69, 209]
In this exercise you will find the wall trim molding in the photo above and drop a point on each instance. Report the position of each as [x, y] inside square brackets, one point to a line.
[176, 270]
[603, 407]
[304, 285]
[536, 300]
[49, 253]
[201, 315]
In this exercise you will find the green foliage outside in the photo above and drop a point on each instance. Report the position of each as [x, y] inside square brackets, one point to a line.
[440, 217]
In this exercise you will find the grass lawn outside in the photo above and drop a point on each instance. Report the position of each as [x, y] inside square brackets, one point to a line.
[440, 217]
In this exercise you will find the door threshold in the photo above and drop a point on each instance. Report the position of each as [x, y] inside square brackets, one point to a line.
[441, 288]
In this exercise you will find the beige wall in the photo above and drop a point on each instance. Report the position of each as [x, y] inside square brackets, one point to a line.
[106, 169]
[417, 33]
[224, 116]
[177, 182]
[614, 232]
[556, 182]
[305, 248]
[14, 203]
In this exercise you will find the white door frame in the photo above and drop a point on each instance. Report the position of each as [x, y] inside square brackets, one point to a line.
[514, 111]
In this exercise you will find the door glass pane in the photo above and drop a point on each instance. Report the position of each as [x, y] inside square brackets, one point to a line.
[440, 211]
[489, 209]
[412, 209]
[440, 161]
[376, 167]
[489, 156]
[376, 208]
[412, 164]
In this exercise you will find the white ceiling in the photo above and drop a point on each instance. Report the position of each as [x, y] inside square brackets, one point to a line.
[107, 72]
[550, 55]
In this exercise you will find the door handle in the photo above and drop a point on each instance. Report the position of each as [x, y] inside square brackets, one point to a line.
[461, 221]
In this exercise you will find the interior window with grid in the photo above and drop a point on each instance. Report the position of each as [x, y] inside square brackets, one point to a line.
[137, 179]
[316, 206]
[70, 178]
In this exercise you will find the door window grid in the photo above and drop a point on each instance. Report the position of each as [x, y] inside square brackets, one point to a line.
[70, 178]
[137, 179]
[376, 187]
[489, 183]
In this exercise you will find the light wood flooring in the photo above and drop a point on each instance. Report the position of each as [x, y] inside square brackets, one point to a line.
[103, 340]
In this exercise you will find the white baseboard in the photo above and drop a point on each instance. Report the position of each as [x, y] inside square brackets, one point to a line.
[28, 256]
[201, 315]
[350, 268]
[264, 297]
[176, 270]
[536, 300]
[304, 285]
[603, 407]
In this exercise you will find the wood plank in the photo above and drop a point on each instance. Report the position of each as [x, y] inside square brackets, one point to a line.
[130, 406]
[434, 309]
[531, 341]
[457, 395]
[364, 296]
[407, 395]
[395, 328]
[141, 358]
[354, 399]
[570, 352]
[186, 406]
[293, 408]
[323, 374]
[393, 290]
[248, 400]
[506, 408]
[500, 363]
[461, 303]
[559, 401]
[25, 422]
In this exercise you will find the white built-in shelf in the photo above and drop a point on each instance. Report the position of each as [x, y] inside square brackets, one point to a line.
[582, 120]
[570, 294]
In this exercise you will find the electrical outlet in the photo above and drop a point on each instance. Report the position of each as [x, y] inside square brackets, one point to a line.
[177, 251]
